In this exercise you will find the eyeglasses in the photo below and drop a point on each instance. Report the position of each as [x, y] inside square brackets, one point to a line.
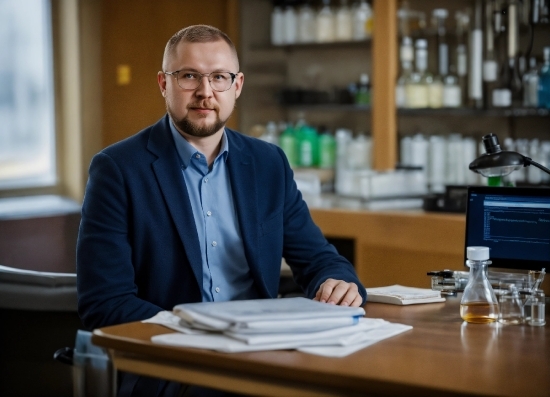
[219, 81]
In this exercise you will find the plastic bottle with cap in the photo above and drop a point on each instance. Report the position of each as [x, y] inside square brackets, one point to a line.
[479, 303]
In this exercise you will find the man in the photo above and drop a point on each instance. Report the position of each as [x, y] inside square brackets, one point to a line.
[188, 210]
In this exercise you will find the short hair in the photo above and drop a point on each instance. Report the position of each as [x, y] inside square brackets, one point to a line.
[197, 34]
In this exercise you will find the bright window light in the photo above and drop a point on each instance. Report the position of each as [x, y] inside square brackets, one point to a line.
[27, 125]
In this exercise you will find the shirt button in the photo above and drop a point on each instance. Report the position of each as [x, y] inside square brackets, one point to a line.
[217, 289]
[205, 180]
[198, 156]
[208, 213]
[214, 243]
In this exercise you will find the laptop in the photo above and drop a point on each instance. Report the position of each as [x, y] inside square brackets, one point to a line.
[513, 222]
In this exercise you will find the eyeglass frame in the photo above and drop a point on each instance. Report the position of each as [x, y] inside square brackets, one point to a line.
[175, 75]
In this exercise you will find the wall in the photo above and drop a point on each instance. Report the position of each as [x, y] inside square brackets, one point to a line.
[134, 33]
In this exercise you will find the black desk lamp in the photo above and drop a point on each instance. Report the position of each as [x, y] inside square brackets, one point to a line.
[498, 162]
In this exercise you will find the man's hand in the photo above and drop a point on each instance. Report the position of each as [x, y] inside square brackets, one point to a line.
[338, 292]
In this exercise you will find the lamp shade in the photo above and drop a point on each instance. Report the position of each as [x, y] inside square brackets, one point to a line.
[496, 162]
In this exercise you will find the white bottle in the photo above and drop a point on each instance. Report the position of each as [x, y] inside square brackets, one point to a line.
[436, 164]
[419, 152]
[344, 22]
[277, 26]
[306, 24]
[362, 21]
[452, 93]
[455, 160]
[325, 24]
[290, 26]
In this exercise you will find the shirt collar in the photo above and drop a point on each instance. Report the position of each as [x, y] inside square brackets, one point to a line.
[186, 150]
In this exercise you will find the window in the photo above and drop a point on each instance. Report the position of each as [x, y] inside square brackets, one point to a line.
[27, 125]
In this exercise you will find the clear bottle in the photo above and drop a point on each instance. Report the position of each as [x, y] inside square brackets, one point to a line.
[416, 87]
[530, 85]
[362, 21]
[325, 23]
[406, 57]
[271, 133]
[544, 81]
[344, 22]
[538, 304]
[479, 302]
[306, 24]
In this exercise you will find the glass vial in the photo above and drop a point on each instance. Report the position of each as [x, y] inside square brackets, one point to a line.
[538, 303]
[479, 303]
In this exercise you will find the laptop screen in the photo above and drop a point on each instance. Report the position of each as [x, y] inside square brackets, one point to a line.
[513, 222]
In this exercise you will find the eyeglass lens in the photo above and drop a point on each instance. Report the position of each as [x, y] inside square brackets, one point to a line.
[219, 81]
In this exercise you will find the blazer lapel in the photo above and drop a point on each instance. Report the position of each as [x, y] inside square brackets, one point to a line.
[167, 169]
[245, 194]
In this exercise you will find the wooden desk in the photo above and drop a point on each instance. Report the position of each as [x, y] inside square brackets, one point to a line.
[441, 355]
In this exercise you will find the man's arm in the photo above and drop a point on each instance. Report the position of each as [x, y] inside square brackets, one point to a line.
[317, 267]
[107, 293]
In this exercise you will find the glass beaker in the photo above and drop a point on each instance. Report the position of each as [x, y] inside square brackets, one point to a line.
[479, 302]
[510, 305]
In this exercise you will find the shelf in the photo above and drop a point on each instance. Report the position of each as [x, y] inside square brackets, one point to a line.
[329, 107]
[308, 46]
[515, 112]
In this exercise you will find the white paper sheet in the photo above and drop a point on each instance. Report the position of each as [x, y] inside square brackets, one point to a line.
[329, 344]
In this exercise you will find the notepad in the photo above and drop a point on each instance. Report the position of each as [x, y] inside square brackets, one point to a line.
[400, 295]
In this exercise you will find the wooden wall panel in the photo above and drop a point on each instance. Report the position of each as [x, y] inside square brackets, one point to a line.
[134, 33]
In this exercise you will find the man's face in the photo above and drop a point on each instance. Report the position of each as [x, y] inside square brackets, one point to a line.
[201, 112]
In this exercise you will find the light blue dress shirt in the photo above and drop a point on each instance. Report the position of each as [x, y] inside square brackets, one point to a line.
[226, 274]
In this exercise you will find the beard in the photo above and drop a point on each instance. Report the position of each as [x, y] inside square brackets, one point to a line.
[191, 128]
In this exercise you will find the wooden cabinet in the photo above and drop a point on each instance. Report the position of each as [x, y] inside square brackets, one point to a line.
[397, 247]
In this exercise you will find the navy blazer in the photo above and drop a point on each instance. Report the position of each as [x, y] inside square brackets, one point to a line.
[138, 251]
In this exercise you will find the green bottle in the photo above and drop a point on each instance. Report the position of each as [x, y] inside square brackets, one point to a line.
[308, 146]
[327, 150]
[287, 142]
[362, 95]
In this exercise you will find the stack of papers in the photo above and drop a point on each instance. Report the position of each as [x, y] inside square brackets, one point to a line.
[273, 324]
[400, 295]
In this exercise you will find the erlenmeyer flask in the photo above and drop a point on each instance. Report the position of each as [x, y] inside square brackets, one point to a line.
[479, 303]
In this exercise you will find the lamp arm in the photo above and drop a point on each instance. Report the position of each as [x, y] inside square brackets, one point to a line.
[529, 161]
